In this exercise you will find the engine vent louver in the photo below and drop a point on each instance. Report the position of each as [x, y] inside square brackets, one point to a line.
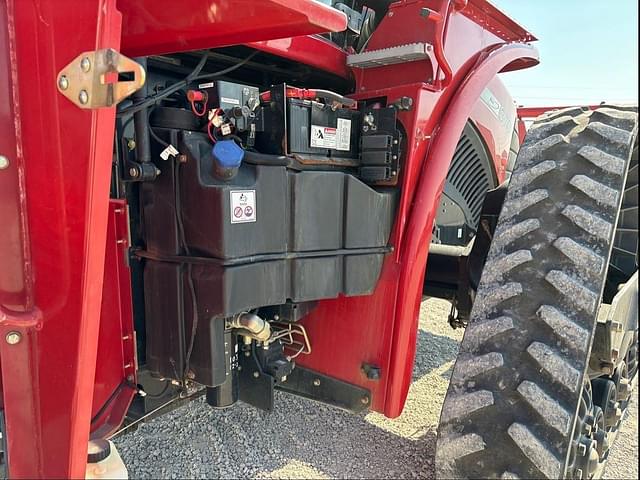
[470, 176]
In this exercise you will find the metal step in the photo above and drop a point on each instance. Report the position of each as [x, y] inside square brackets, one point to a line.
[390, 56]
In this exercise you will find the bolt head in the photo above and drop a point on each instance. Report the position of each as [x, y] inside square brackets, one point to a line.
[256, 374]
[131, 144]
[316, 382]
[364, 400]
[83, 97]
[85, 64]
[63, 82]
[4, 162]
[13, 338]
[133, 172]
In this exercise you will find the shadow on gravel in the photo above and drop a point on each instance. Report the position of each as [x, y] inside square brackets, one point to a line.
[432, 352]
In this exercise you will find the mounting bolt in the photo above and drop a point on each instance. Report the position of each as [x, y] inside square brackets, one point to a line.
[63, 82]
[247, 353]
[83, 97]
[256, 374]
[316, 382]
[131, 144]
[85, 64]
[364, 400]
[13, 338]
[130, 378]
[4, 162]
[133, 171]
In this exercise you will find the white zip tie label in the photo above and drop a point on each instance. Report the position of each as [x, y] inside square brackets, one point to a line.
[170, 151]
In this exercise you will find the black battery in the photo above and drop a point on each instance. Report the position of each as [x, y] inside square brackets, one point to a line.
[316, 129]
[308, 129]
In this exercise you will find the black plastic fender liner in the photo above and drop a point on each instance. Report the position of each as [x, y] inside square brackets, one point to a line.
[511, 405]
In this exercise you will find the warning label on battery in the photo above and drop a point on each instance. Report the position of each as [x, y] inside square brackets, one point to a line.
[332, 138]
[243, 206]
[344, 135]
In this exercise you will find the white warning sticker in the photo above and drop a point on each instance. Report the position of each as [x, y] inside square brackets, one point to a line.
[332, 138]
[243, 206]
[323, 137]
[344, 134]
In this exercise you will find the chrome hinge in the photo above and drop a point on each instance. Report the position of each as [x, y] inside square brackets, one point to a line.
[100, 79]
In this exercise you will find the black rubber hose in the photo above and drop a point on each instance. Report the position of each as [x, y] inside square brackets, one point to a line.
[141, 121]
[255, 158]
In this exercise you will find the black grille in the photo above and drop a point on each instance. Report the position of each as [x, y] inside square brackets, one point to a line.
[470, 176]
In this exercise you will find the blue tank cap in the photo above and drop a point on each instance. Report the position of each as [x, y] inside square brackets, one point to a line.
[228, 153]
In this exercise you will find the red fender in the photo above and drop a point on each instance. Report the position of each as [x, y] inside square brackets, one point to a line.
[426, 199]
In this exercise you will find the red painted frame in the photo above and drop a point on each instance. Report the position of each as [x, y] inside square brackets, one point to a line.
[381, 329]
[63, 158]
[54, 196]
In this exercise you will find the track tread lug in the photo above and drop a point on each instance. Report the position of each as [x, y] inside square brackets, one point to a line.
[571, 333]
[536, 451]
[550, 410]
[603, 160]
[595, 190]
[466, 404]
[555, 365]
[573, 290]
[588, 221]
[472, 367]
[583, 257]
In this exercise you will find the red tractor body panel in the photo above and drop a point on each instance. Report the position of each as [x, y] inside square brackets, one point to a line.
[59, 227]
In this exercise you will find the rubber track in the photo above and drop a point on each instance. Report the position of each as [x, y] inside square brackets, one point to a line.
[524, 355]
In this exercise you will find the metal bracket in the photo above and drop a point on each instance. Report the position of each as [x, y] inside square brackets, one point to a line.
[322, 388]
[100, 79]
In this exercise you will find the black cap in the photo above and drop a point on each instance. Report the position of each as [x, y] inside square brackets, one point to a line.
[98, 450]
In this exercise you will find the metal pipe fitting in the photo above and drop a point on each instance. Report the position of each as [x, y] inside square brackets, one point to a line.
[251, 325]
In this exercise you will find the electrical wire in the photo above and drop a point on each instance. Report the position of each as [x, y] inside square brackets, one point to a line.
[190, 284]
[193, 76]
[154, 134]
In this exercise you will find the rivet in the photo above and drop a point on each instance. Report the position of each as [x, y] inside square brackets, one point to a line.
[364, 400]
[83, 97]
[4, 162]
[316, 382]
[85, 64]
[63, 82]
[13, 338]
[256, 374]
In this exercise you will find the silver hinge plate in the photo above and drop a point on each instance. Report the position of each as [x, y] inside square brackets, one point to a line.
[102, 78]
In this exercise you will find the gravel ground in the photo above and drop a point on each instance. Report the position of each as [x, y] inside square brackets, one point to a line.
[303, 439]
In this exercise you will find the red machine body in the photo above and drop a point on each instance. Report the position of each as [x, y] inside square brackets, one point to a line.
[65, 293]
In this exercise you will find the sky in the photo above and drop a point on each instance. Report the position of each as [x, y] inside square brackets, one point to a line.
[588, 51]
